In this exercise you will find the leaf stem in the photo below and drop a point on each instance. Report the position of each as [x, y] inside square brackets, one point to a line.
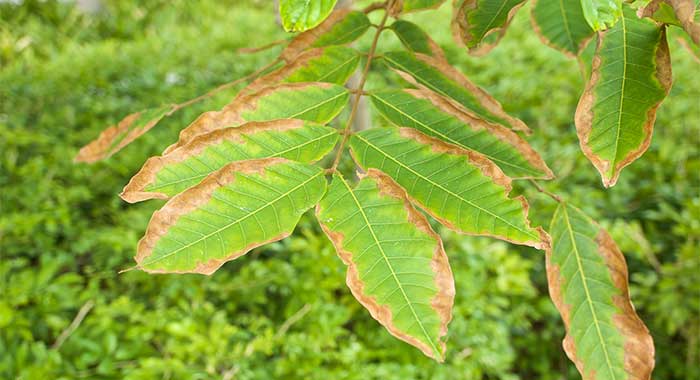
[542, 190]
[359, 91]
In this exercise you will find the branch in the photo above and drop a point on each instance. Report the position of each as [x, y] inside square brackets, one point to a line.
[82, 313]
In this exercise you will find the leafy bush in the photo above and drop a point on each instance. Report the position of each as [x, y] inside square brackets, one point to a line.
[60, 252]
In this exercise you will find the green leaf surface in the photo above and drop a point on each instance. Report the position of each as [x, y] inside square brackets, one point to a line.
[601, 14]
[561, 25]
[341, 27]
[480, 24]
[416, 39]
[115, 138]
[244, 205]
[313, 101]
[434, 117]
[397, 267]
[165, 176]
[441, 78]
[462, 189]
[419, 5]
[588, 282]
[301, 15]
[631, 76]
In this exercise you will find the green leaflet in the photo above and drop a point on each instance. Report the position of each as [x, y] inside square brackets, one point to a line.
[300, 15]
[587, 278]
[561, 25]
[242, 206]
[397, 268]
[421, 111]
[601, 14]
[462, 189]
[631, 76]
[341, 27]
[417, 5]
[313, 101]
[416, 39]
[167, 175]
[334, 65]
[438, 76]
[480, 24]
[116, 137]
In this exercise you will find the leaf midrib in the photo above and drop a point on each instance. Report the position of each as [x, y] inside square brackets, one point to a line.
[589, 300]
[611, 170]
[386, 260]
[444, 189]
[237, 221]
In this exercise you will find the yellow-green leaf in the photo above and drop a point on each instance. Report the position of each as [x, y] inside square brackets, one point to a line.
[462, 189]
[244, 205]
[163, 177]
[588, 283]
[397, 267]
[631, 76]
[602, 14]
[300, 15]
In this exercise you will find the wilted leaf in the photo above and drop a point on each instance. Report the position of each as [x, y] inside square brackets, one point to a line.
[480, 24]
[588, 283]
[419, 5]
[416, 39]
[332, 64]
[300, 15]
[561, 25]
[163, 177]
[462, 189]
[443, 79]
[316, 102]
[601, 14]
[116, 137]
[631, 76]
[397, 267]
[341, 27]
[434, 116]
[244, 205]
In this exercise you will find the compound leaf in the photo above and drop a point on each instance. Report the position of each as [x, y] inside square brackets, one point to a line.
[601, 14]
[341, 27]
[631, 76]
[314, 101]
[434, 116]
[462, 189]
[116, 137]
[480, 24]
[301, 15]
[561, 25]
[163, 177]
[416, 39]
[588, 283]
[397, 267]
[441, 78]
[244, 205]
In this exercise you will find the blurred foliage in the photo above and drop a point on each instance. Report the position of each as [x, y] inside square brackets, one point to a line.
[284, 312]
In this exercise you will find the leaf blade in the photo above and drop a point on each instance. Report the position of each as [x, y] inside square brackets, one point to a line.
[388, 233]
[631, 76]
[474, 21]
[561, 27]
[165, 176]
[582, 253]
[218, 220]
[436, 174]
[301, 15]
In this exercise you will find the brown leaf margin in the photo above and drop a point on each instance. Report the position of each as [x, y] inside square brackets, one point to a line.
[639, 345]
[444, 280]
[584, 111]
[485, 99]
[502, 133]
[301, 42]
[231, 115]
[103, 146]
[548, 42]
[461, 27]
[191, 200]
[684, 10]
[135, 191]
[487, 168]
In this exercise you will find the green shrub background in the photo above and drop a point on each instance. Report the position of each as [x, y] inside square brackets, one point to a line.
[65, 234]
